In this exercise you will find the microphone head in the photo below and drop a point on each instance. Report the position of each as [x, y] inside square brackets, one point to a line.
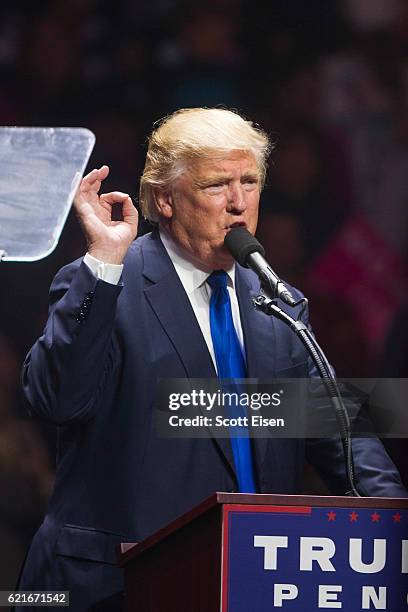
[241, 243]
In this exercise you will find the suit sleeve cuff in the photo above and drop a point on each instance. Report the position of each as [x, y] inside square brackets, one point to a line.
[110, 273]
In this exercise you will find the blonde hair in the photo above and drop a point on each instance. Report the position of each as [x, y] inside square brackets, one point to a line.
[191, 134]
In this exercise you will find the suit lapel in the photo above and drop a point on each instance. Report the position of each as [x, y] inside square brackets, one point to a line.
[258, 328]
[173, 309]
[260, 343]
[168, 299]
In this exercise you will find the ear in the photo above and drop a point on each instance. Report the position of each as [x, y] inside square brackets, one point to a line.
[164, 203]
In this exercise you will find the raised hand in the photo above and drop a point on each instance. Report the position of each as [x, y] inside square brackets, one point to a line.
[107, 240]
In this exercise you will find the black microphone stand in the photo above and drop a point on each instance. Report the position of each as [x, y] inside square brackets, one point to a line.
[270, 307]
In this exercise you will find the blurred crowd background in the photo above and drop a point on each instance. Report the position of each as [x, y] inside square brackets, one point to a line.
[328, 79]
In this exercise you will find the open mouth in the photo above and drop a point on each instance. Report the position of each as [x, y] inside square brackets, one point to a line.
[237, 224]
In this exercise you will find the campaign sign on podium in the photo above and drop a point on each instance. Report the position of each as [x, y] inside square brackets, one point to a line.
[302, 558]
[239, 552]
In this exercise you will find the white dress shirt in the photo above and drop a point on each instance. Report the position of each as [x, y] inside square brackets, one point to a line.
[194, 282]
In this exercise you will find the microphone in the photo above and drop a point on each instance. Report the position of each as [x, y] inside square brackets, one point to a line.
[248, 252]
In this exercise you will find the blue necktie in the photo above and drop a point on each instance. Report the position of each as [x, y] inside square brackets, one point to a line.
[230, 364]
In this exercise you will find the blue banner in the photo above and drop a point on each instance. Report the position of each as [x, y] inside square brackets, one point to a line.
[303, 559]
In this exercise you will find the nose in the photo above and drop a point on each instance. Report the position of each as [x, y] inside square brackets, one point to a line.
[236, 198]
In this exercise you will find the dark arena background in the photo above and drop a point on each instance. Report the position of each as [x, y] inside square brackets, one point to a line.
[328, 79]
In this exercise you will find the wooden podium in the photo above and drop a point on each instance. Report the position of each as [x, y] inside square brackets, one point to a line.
[239, 552]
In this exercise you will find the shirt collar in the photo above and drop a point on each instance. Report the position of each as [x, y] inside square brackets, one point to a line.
[191, 277]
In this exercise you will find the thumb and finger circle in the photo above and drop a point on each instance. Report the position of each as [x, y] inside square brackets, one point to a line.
[114, 197]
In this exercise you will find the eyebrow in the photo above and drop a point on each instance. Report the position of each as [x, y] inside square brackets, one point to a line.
[223, 178]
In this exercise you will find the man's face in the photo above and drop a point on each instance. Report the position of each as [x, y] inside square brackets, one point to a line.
[210, 198]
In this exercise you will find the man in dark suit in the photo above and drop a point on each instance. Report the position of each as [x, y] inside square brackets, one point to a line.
[132, 312]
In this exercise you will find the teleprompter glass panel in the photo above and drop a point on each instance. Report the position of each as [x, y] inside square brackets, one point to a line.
[40, 169]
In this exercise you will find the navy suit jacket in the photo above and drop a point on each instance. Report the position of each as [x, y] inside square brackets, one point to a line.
[93, 373]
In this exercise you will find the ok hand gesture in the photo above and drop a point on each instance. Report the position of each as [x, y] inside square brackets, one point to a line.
[107, 240]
